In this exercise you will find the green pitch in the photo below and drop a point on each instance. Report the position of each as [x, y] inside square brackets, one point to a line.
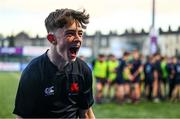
[8, 87]
[9, 83]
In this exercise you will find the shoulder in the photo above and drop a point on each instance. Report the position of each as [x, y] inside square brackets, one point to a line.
[34, 67]
[83, 65]
[83, 69]
[37, 61]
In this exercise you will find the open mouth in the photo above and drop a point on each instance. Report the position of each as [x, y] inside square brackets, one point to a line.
[73, 51]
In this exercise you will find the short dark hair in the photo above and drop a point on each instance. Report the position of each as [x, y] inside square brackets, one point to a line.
[126, 53]
[62, 17]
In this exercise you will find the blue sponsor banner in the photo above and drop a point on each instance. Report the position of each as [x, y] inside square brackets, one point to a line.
[11, 50]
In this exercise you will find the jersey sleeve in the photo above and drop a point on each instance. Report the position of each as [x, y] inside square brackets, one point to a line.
[86, 96]
[27, 94]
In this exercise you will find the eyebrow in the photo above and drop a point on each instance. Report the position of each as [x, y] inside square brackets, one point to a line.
[70, 30]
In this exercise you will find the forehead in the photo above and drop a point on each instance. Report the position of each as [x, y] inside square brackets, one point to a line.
[73, 25]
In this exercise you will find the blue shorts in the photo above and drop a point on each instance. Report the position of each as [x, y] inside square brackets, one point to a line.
[148, 82]
[177, 81]
[119, 81]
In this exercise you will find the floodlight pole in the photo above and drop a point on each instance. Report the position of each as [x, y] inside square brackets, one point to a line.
[153, 13]
[153, 32]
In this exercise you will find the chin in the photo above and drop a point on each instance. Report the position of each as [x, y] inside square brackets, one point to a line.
[72, 60]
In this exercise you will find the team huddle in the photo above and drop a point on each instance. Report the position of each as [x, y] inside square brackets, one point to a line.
[133, 76]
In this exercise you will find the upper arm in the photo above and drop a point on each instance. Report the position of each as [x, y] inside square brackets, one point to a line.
[26, 94]
[86, 95]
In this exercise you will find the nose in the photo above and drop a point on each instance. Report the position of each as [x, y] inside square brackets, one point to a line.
[78, 38]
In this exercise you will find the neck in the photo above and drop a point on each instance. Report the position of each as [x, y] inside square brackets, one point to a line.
[56, 58]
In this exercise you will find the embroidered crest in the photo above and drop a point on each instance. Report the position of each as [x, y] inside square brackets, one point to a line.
[74, 87]
[49, 91]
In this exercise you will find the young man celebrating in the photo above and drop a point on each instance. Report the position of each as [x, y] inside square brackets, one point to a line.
[57, 84]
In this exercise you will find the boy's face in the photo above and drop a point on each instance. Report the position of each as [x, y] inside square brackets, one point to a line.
[136, 54]
[69, 40]
[174, 60]
[130, 65]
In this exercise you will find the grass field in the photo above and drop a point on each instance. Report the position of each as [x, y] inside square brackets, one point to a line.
[9, 83]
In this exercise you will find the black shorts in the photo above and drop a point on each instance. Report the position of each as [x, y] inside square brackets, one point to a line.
[112, 82]
[148, 82]
[103, 81]
[164, 80]
[136, 80]
[119, 81]
[127, 81]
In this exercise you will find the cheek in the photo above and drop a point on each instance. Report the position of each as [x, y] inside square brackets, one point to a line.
[69, 40]
[81, 40]
[62, 45]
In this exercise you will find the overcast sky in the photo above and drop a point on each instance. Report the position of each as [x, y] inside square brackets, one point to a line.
[106, 15]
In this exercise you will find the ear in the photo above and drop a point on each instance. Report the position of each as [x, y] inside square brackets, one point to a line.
[51, 38]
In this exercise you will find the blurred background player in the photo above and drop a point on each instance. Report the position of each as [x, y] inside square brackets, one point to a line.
[157, 77]
[136, 70]
[149, 78]
[120, 81]
[164, 79]
[112, 64]
[176, 90]
[128, 78]
[100, 73]
[171, 73]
